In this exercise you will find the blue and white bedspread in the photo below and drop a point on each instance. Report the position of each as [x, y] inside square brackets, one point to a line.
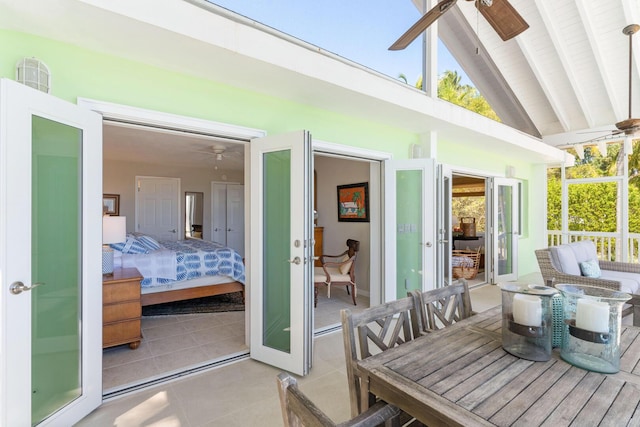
[186, 260]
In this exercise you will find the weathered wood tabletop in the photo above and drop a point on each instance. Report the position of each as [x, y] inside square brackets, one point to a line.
[460, 375]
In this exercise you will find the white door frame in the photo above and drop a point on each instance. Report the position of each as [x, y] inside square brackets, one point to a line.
[112, 111]
[376, 197]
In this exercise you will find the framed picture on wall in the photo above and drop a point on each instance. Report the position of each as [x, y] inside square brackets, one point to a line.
[353, 202]
[111, 204]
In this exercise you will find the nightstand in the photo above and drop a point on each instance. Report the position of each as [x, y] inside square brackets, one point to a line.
[121, 309]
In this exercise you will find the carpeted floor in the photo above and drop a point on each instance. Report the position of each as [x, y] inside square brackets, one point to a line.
[214, 304]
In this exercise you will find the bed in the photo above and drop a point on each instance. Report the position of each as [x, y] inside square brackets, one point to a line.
[181, 270]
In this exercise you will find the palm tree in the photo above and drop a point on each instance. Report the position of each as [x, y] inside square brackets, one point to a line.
[467, 96]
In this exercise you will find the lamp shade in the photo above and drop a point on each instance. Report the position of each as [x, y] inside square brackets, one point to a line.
[114, 229]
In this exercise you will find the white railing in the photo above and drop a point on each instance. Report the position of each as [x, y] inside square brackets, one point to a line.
[607, 244]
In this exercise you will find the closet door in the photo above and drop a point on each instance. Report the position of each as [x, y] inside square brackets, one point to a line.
[219, 213]
[235, 217]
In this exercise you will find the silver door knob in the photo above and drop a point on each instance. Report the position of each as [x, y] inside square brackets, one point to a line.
[428, 244]
[295, 261]
[17, 288]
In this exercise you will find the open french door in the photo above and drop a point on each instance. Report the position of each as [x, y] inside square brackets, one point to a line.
[410, 226]
[444, 226]
[505, 203]
[50, 259]
[281, 246]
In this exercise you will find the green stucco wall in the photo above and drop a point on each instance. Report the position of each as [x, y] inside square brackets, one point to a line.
[78, 72]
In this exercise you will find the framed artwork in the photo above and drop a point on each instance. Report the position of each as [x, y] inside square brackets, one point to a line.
[111, 204]
[353, 202]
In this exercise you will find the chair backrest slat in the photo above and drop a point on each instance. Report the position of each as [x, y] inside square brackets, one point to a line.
[442, 307]
[372, 331]
[298, 410]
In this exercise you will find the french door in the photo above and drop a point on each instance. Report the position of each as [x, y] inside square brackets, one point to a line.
[50, 237]
[444, 226]
[505, 214]
[281, 247]
[410, 227]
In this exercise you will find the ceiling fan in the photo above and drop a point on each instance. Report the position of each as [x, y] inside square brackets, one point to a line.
[630, 125]
[499, 13]
[219, 152]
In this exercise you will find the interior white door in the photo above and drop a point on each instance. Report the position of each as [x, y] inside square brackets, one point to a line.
[50, 259]
[410, 226]
[235, 217]
[157, 201]
[505, 213]
[219, 213]
[444, 227]
[280, 264]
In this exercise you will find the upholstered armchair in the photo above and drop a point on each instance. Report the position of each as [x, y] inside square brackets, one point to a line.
[340, 269]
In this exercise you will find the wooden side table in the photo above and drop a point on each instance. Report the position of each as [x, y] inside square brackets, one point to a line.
[121, 309]
[317, 246]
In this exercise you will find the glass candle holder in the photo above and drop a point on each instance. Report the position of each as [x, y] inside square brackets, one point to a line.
[527, 320]
[591, 330]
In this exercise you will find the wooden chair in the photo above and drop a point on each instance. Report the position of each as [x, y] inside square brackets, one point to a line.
[298, 410]
[441, 307]
[373, 330]
[340, 269]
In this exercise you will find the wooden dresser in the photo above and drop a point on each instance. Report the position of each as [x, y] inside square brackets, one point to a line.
[317, 246]
[121, 309]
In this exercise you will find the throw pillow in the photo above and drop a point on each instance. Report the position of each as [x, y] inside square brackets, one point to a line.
[344, 268]
[590, 268]
[131, 246]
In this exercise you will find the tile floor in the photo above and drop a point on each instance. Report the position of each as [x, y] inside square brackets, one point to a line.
[243, 393]
[173, 343]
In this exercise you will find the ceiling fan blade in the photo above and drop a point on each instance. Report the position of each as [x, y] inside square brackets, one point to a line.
[422, 24]
[503, 18]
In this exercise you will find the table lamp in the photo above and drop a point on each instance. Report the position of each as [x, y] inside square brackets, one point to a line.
[114, 230]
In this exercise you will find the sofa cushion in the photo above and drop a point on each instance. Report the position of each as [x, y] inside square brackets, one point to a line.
[584, 250]
[629, 282]
[590, 268]
[564, 260]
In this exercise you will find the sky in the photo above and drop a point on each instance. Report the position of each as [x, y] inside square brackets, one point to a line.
[359, 30]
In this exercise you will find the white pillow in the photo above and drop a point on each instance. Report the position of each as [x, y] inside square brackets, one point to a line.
[344, 268]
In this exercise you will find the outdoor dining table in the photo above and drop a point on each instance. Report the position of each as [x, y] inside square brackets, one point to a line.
[460, 375]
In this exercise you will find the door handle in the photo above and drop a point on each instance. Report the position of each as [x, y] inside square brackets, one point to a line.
[17, 288]
[172, 231]
[295, 261]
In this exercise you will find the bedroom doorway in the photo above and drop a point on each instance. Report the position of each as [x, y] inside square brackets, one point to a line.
[143, 366]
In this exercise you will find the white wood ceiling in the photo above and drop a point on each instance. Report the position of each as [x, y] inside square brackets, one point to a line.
[561, 79]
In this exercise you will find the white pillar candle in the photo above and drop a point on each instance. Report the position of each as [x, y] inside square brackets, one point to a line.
[527, 310]
[592, 315]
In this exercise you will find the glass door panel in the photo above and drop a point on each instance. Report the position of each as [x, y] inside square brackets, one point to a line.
[409, 254]
[277, 235]
[56, 218]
